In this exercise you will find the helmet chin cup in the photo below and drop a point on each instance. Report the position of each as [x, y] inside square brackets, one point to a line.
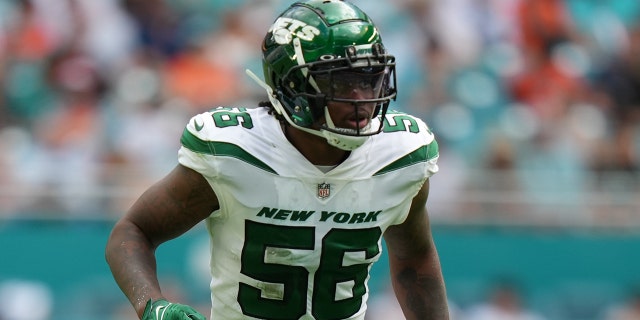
[342, 141]
[346, 143]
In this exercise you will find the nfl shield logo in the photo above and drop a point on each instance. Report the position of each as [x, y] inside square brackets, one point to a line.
[324, 190]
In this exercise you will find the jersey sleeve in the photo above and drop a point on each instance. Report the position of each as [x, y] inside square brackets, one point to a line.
[410, 143]
[196, 148]
[432, 151]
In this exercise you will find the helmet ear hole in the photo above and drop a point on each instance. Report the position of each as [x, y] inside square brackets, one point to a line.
[317, 103]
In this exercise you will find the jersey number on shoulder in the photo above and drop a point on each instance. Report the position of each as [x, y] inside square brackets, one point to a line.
[231, 117]
[337, 271]
[394, 122]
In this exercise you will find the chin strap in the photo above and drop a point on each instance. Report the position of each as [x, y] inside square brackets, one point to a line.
[340, 141]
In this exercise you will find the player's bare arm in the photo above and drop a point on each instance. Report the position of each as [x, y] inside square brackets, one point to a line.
[415, 270]
[166, 210]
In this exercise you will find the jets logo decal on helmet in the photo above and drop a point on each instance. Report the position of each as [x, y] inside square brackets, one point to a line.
[284, 29]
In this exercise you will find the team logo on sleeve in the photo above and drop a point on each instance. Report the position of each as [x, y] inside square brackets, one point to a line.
[324, 190]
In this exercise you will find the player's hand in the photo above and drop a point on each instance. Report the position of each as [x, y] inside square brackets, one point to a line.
[165, 310]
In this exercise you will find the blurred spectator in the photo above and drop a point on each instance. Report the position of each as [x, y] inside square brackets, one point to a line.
[546, 83]
[27, 43]
[158, 28]
[385, 306]
[25, 300]
[14, 150]
[201, 81]
[626, 310]
[505, 302]
[619, 80]
[544, 24]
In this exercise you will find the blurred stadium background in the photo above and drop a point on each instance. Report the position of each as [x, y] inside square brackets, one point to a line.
[536, 105]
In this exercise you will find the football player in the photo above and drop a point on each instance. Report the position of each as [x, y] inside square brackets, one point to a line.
[297, 193]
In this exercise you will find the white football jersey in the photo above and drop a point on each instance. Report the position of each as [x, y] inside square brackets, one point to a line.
[289, 241]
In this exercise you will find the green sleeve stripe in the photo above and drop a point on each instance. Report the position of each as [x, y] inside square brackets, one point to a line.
[422, 154]
[222, 149]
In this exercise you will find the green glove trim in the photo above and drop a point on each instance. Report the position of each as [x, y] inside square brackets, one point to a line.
[165, 310]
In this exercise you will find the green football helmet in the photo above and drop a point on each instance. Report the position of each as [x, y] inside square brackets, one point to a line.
[315, 52]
